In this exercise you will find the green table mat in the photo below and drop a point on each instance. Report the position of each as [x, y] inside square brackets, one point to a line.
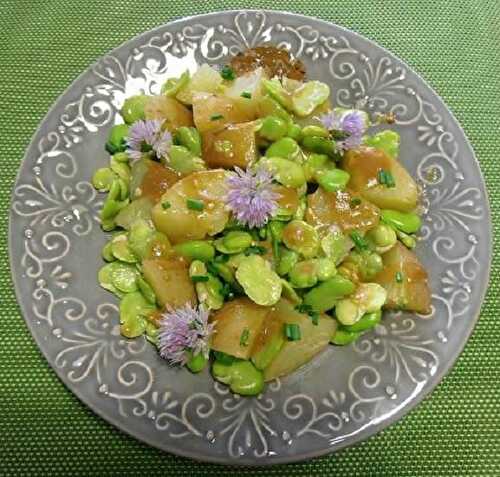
[45, 44]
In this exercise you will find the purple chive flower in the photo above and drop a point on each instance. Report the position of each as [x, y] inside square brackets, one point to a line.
[145, 136]
[182, 330]
[250, 196]
[351, 123]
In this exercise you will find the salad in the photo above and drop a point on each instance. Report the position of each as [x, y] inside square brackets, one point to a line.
[252, 223]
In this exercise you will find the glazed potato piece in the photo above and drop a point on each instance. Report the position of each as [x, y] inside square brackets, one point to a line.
[364, 164]
[170, 110]
[180, 223]
[212, 112]
[413, 292]
[170, 281]
[234, 146]
[326, 209]
[293, 354]
[231, 321]
[150, 179]
[250, 86]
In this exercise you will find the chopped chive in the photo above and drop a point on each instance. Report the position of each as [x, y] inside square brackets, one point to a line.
[227, 73]
[224, 358]
[245, 335]
[314, 318]
[215, 117]
[355, 201]
[212, 268]
[386, 178]
[359, 241]
[255, 250]
[246, 94]
[399, 277]
[381, 177]
[199, 278]
[303, 308]
[292, 332]
[221, 258]
[166, 205]
[195, 204]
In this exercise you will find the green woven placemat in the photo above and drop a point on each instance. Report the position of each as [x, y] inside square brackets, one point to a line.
[45, 44]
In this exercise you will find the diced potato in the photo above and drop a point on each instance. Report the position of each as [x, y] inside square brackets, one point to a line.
[326, 209]
[213, 113]
[237, 326]
[170, 281]
[249, 84]
[293, 354]
[139, 209]
[150, 179]
[205, 80]
[170, 110]
[234, 146]
[364, 164]
[412, 292]
[180, 223]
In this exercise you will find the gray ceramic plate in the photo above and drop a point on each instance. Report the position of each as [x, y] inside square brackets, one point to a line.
[343, 396]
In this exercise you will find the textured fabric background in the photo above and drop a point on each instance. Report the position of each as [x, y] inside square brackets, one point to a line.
[45, 44]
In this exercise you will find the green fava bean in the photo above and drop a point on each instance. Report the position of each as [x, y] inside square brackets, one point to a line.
[121, 157]
[234, 242]
[263, 358]
[320, 145]
[382, 237]
[133, 108]
[111, 207]
[287, 148]
[117, 140]
[133, 309]
[209, 292]
[197, 363]
[173, 85]
[336, 246]
[324, 296]
[124, 277]
[309, 96]
[190, 138]
[241, 376]
[108, 225]
[326, 269]
[387, 141]
[275, 89]
[196, 250]
[302, 238]
[182, 160]
[313, 130]
[260, 283]
[288, 259]
[146, 289]
[407, 222]
[107, 253]
[269, 106]
[304, 274]
[286, 172]
[139, 238]
[289, 293]
[152, 333]
[273, 128]
[407, 240]
[294, 131]
[121, 169]
[104, 277]
[315, 165]
[366, 322]
[121, 250]
[343, 337]
[103, 178]
[333, 180]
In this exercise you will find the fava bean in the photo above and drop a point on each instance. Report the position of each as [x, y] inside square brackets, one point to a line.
[111, 207]
[286, 172]
[301, 237]
[320, 145]
[133, 309]
[108, 225]
[263, 358]
[387, 141]
[407, 222]
[103, 178]
[182, 160]
[288, 259]
[139, 238]
[121, 169]
[190, 138]
[368, 263]
[333, 180]
[324, 296]
[209, 292]
[304, 274]
[366, 322]
[343, 337]
[315, 165]
[314, 130]
[117, 139]
[146, 290]
[234, 242]
[104, 277]
[121, 250]
[274, 88]
[268, 105]
[197, 362]
[241, 376]
[196, 250]
[287, 148]
[368, 298]
[289, 293]
[173, 85]
[382, 238]
[107, 253]
[273, 128]
[133, 108]
[309, 96]
[407, 240]
[294, 131]
[124, 277]
[336, 246]
[121, 157]
[326, 269]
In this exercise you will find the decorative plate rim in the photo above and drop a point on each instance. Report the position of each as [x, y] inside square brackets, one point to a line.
[373, 429]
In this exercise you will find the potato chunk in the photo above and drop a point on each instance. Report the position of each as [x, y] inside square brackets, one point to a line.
[364, 164]
[326, 209]
[170, 110]
[170, 281]
[234, 146]
[179, 222]
[405, 280]
[151, 179]
[237, 326]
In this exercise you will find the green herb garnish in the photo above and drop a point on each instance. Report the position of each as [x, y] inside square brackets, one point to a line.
[227, 73]
[195, 204]
[216, 117]
[359, 241]
[166, 205]
[199, 278]
[255, 250]
[245, 335]
[246, 94]
[292, 332]
[399, 277]
[386, 178]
